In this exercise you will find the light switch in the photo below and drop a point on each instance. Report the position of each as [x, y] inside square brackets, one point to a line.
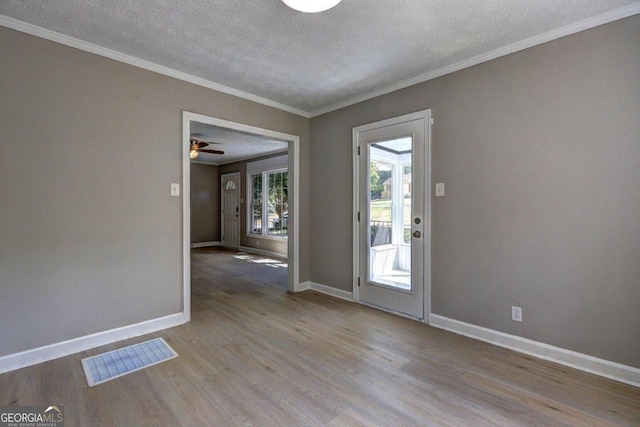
[440, 189]
[175, 189]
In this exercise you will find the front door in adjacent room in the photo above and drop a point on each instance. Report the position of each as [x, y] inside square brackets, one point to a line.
[230, 217]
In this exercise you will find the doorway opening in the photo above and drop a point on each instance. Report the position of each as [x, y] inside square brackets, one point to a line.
[287, 215]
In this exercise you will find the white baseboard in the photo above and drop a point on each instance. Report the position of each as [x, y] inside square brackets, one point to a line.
[303, 286]
[604, 368]
[329, 290]
[205, 244]
[53, 351]
[262, 252]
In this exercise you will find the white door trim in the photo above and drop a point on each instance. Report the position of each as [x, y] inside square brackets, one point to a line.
[222, 192]
[426, 116]
[293, 280]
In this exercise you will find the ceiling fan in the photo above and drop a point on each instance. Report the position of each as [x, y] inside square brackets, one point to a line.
[197, 147]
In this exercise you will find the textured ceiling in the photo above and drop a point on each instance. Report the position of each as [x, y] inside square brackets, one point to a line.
[236, 145]
[311, 62]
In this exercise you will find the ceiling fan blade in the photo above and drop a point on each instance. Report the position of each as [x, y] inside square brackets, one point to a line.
[212, 151]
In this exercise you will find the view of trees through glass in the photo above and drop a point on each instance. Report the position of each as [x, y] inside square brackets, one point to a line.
[381, 200]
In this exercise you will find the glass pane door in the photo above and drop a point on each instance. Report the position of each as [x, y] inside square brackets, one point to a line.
[392, 206]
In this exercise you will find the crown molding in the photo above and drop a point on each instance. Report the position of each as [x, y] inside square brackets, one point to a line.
[34, 30]
[605, 18]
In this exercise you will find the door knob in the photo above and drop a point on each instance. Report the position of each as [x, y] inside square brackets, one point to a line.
[417, 234]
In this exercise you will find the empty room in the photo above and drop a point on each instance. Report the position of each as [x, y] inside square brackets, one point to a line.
[320, 213]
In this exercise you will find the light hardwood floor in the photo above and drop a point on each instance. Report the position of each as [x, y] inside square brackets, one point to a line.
[255, 355]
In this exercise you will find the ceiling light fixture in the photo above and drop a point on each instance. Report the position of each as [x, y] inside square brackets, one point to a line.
[311, 6]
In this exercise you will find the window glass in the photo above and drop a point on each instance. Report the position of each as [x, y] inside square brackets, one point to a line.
[256, 204]
[269, 204]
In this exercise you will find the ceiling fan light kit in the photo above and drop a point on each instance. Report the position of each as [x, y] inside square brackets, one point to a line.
[311, 6]
[197, 146]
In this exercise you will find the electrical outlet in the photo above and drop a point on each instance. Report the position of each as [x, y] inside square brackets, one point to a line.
[516, 314]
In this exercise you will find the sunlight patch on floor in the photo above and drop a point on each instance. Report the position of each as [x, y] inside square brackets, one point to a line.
[260, 260]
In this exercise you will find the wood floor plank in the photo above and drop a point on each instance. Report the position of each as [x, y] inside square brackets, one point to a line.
[254, 355]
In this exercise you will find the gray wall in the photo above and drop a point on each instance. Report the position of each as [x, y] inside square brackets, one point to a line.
[540, 153]
[205, 203]
[90, 239]
[278, 247]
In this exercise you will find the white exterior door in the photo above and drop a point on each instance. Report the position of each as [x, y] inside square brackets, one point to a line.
[393, 213]
[230, 210]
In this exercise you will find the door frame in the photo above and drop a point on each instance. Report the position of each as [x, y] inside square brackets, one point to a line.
[424, 115]
[293, 243]
[222, 190]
